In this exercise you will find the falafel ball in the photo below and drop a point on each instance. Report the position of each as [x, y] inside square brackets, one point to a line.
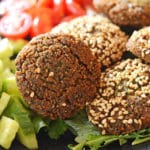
[122, 104]
[139, 44]
[129, 77]
[135, 13]
[57, 75]
[105, 40]
[120, 115]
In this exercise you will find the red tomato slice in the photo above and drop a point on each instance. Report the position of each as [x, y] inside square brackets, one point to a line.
[45, 3]
[7, 6]
[42, 21]
[59, 10]
[74, 8]
[68, 18]
[15, 25]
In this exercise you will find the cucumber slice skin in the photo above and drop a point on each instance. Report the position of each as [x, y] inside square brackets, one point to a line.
[26, 133]
[6, 49]
[28, 140]
[1, 66]
[10, 86]
[4, 102]
[8, 130]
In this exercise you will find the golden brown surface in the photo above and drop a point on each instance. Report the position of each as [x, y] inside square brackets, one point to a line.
[120, 115]
[134, 13]
[57, 75]
[139, 44]
[122, 104]
[105, 40]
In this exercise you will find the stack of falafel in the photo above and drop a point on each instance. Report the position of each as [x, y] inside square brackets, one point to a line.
[80, 64]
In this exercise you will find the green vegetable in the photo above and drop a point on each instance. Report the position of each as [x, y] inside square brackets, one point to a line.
[17, 45]
[38, 123]
[88, 136]
[26, 133]
[8, 130]
[1, 83]
[4, 101]
[10, 86]
[81, 127]
[1, 66]
[56, 128]
[6, 49]
[6, 73]
[28, 140]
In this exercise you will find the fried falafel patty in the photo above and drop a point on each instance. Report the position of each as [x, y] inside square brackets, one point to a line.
[122, 104]
[105, 40]
[126, 78]
[57, 75]
[120, 115]
[134, 13]
[139, 44]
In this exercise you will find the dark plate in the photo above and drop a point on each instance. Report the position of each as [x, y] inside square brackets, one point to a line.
[45, 143]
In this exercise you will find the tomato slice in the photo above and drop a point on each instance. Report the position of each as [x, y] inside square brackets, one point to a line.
[84, 3]
[42, 20]
[9, 6]
[45, 3]
[74, 8]
[15, 25]
[59, 10]
[68, 18]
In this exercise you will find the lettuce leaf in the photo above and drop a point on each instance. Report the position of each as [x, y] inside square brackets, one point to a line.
[88, 136]
[56, 128]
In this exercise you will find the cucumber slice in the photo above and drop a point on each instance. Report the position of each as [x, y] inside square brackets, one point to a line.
[4, 101]
[8, 130]
[26, 133]
[6, 49]
[6, 73]
[1, 66]
[10, 86]
[18, 44]
[28, 140]
[1, 84]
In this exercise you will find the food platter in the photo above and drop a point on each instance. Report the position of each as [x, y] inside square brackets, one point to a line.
[44, 132]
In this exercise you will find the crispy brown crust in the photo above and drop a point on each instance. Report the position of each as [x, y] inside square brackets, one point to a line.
[105, 40]
[57, 75]
[122, 104]
[120, 116]
[139, 44]
[125, 12]
[126, 78]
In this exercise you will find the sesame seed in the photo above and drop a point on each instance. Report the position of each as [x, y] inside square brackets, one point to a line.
[125, 121]
[37, 70]
[130, 121]
[112, 121]
[51, 74]
[32, 94]
[64, 104]
[120, 117]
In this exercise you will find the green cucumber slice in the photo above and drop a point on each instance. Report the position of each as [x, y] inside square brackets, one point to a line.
[4, 101]
[6, 49]
[10, 86]
[8, 130]
[26, 133]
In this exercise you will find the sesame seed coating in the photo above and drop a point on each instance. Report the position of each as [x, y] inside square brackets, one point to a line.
[126, 78]
[57, 75]
[139, 44]
[105, 40]
[134, 13]
[112, 116]
[122, 104]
